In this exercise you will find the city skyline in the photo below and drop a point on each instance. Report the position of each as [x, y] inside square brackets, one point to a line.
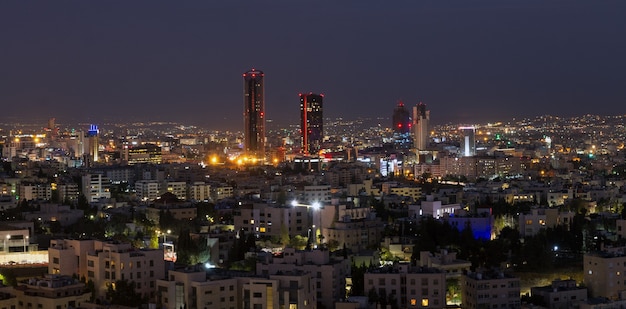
[469, 63]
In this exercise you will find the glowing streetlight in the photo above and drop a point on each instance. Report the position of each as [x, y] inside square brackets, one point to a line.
[316, 206]
[6, 241]
[165, 236]
[25, 241]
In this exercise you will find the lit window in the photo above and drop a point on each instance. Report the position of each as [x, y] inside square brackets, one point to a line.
[413, 301]
[424, 302]
[252, 221]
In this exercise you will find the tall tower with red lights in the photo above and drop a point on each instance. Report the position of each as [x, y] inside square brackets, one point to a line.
[311, 122]
[254, 112]
[402, 126]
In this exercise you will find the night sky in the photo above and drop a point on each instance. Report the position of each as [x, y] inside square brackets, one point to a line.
[469, 61]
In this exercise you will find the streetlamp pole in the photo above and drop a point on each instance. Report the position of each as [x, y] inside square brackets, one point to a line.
[316, 208]
[25, 239]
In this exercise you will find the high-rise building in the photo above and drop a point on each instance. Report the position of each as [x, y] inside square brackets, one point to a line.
[468, 142]
[311, 122]
[254, 112]
[402, 126]
[92, 135]
[401, 119]
[421, 121]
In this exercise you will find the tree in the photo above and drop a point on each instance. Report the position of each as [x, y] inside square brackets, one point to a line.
[372, 296]
[284, 235]
[123, 292]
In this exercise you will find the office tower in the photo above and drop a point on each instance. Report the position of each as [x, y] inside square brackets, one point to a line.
[92, 135]
[254, 112]
[311, 122]
[401, 119]
[54, 131]
[401, 127]
[468, 143]
[421, 120]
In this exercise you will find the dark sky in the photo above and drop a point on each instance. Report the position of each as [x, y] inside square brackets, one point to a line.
[469, 61]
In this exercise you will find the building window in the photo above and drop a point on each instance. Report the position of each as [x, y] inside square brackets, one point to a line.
[424, 302]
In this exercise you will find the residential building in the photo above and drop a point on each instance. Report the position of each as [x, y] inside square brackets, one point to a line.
[490, 289]
[542, 218]
[605, 272]
[328, 274]
[147, 190]
[445, 261]
[96, 187]
[105, 262]
[35, 191]
[199, 191]
[410, 287]
[51, 291]
[561, 294]
[178, 188]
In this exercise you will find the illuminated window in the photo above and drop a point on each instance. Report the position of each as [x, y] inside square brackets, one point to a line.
[262, 229]
[252, 221]
[542, 222]
[424, 302]
[529, 222]
[413, 301]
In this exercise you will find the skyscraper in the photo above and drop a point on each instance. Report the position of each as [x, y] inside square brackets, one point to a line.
[94, 145]
[311, 122]
[401, 119]
[401, 127]
[468, 143]
[421, 121]
[254, 112]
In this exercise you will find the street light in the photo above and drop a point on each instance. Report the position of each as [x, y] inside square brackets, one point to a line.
[316, 206]
[165, 236]
[6, 241]
[25, 239]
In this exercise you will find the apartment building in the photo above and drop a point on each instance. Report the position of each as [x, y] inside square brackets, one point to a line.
[541, 218]
[178, 188]
[51, 291]
[445, 261]
[328, 275]
[147, 190]
[220, 192]
[270, 219]
[355, 235]
[168, 202]
[411, 287]
[199, 191]
[193, 288]
[605, 273]
[105, 262]
[561, 294]
[35, 191]
[96, 187]
[199, 288]
[490, 289]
